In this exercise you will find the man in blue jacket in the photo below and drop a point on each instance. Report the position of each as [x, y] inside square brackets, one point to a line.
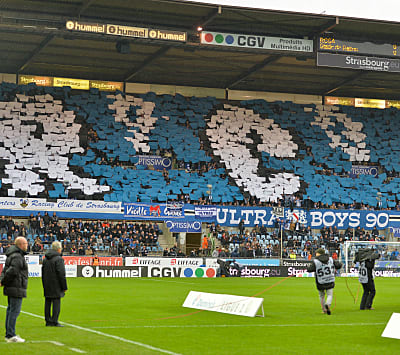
[14, 279]
[54, 284]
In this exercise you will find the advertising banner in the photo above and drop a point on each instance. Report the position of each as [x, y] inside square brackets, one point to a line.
[230, 304]
[76, 84]
[331, 44]
[267, 271]
[30, 259]
[395, 229]
[112, 271]
[206, 213]
[256, 42]
[363, 170]
[34, 270]
[358, 62]
[153, 211]
[387, 264]
[144, 271]
[378, 272]
[163, 262]
[156, 161]
[259, 271]
[184, 271]
[301, 264]
[188, 226]
[126, 31]
[88, 260]
[71, 270]
[259, 262]
[106, 85]
[38, 80]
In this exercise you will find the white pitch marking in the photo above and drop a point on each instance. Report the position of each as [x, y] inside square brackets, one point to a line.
[146, 346]
[46, 341]
[178, 282]
[58, 344]
[238, 325]
[78, 350]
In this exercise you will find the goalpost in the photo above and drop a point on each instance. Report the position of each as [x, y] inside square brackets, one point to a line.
[385, 250]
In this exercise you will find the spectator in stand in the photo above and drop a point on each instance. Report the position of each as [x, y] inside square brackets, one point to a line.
[375, 233]
[3, 225]
[10, 223]
[180, 253]
[37, 247]
[193, 253]
[46, 219]
[204, 245]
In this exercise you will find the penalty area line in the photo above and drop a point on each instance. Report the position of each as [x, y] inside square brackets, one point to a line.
[240, 325]
[146, 346]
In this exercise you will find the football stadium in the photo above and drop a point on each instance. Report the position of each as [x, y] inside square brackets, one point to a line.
[199, 177]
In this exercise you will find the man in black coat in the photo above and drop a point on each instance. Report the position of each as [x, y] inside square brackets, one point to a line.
[14, 278]
[54, 283]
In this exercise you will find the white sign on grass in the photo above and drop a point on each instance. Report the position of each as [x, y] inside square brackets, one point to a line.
[238, 305]
[392, 329]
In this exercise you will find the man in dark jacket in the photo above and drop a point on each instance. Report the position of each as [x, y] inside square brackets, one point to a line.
[324, 268]
[14, 278]
[54, 284]
[366, 259]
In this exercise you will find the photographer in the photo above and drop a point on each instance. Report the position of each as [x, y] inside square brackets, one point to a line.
[226, 266]
[366, 259]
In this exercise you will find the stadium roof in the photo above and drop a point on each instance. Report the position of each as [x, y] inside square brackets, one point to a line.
[34, 40]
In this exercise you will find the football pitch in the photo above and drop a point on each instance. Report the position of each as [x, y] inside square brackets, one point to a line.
[145, 316]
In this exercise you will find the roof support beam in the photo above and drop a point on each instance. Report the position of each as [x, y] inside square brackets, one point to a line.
[41, 46]
[324, 28]
[146, 62]
[211, 16]
[83, 7]
[253, 69]
[342, 83]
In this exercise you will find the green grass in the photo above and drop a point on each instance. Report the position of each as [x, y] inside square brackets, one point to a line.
[149, 311]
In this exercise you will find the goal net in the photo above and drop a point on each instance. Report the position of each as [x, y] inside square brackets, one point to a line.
[389, 254]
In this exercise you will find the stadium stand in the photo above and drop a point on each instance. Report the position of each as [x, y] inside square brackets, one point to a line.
[57, 143]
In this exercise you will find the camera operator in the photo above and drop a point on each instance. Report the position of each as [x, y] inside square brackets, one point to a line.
[366, 259]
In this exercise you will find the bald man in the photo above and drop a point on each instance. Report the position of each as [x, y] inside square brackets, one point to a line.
[14, 279]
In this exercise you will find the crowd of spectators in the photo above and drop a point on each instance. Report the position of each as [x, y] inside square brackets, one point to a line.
[129, 238]
[298, 241]
[82, 237]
